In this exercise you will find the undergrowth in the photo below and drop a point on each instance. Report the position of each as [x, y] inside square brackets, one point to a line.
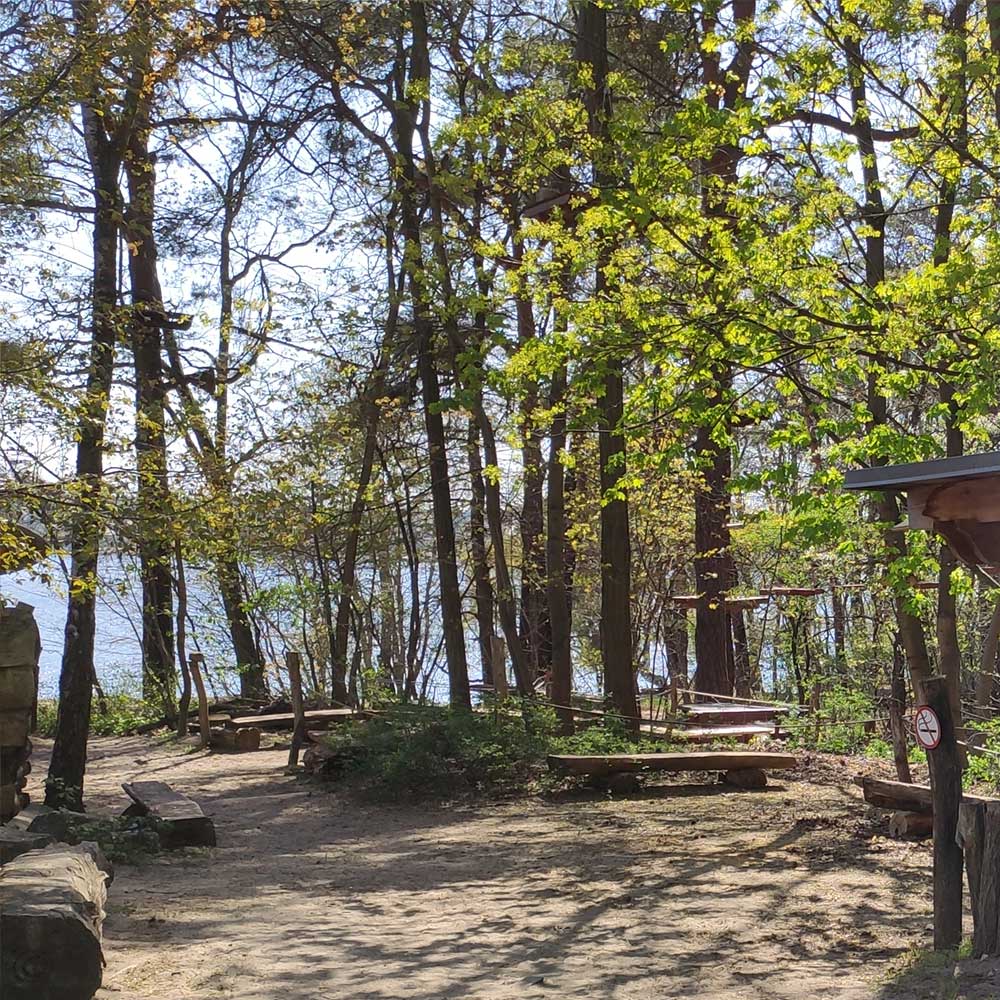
[408, 753]
[113, 715]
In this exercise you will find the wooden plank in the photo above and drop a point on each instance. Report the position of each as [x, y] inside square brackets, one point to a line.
[704, 734]
[622, 763]
[50, 924]
[286, 720]
[188, 825]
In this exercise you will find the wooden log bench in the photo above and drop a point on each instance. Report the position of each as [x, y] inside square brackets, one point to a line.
[315, 719]
[898, 795]
[50, 924]
[185, 824]
[731, 763]
[15, 842]
[733, 715]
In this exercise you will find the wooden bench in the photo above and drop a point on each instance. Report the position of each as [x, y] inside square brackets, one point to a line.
[730, 762]
[186, 824]
[316, 718]
[733, 715]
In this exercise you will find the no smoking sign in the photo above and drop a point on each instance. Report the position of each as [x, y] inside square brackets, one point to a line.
[927, 727]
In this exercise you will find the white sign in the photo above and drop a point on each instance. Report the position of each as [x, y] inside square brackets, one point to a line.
[927, 726]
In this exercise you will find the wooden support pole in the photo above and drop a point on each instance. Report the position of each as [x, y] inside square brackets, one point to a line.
[946, 792]
[294, 664]
[195, 663]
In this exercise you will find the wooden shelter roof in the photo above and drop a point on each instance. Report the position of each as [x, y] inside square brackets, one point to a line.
[936, 470]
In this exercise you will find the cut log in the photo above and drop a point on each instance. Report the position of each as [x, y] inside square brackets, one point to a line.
[236, 740]
[14, 843]
[904, 824]
[50, 925]
[185, 823]
[748, 777]
[743, 734]
[899, 795]
[622, 762]
[286, 720]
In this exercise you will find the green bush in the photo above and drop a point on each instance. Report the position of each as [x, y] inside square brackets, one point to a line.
[116, 715]
[843, 710]
[408, 753]
[985, 767]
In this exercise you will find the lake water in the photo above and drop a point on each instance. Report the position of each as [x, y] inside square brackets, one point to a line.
[117, 654]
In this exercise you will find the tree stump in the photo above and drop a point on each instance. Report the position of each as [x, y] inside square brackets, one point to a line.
[979, 835]
[50, 924]
[746, 777]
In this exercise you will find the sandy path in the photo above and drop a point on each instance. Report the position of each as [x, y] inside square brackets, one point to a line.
[683, 892]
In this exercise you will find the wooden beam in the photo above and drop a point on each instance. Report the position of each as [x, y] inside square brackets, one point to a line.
[195, 662]
[624, 763]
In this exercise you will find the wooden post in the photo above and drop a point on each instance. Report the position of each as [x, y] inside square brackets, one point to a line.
[195, 661]
[499, 667]
[294, 664]
[673, 695]
[946, 792]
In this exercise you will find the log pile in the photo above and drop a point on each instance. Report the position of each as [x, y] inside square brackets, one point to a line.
[20, 647]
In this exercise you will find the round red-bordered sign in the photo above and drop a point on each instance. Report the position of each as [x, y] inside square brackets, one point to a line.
[927, 727]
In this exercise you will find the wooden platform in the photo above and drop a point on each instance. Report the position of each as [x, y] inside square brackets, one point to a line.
[743, 733]
[629, 763]
[286, 720]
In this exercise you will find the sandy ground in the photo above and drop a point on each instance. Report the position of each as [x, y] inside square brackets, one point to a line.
[681, 891]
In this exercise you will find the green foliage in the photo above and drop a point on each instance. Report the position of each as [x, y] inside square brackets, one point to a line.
[115, 715]
[123, 839]
[409, 753]
[984, 767]
[843, 711]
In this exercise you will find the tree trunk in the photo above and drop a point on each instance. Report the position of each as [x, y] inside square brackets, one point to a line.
[480, 565]
[405, 123]
[616, 556]
[64, 786]
[985, 682]
[555, 552]
[153, 500]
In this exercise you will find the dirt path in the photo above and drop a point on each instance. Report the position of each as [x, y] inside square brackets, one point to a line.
[683, 892]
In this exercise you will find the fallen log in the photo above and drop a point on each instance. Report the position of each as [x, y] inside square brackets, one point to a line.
[50, 924]
[623, 763]
[900, 795]
[185, 824]
[904, 824]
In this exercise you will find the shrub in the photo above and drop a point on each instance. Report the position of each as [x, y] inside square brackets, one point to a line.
[842, 712]
[408, 753]
[985, 767]
[115, 715]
